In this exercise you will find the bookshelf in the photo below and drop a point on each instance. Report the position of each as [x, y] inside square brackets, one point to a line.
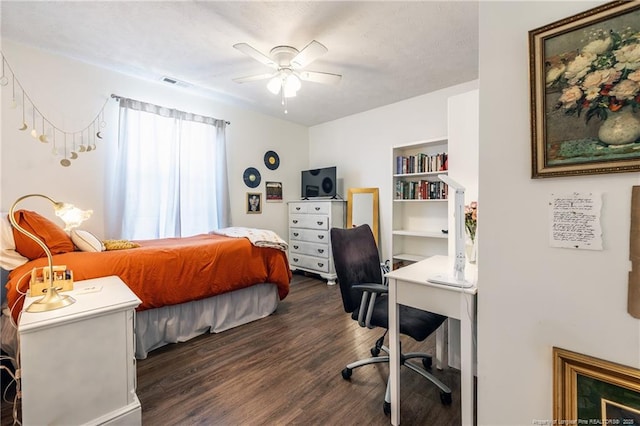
[420, 204]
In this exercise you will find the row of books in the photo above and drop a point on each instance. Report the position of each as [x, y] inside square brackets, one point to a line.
[421, 163]
[421, 190]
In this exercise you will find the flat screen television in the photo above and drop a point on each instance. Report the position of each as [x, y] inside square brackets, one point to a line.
[319, 182]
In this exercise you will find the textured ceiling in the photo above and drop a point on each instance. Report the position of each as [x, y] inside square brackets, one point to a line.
[385, 51]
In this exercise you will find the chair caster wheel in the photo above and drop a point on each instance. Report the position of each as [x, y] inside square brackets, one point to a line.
[375, 352]
[386, 407]
[445, 398]
[346, 373]
[426, 363]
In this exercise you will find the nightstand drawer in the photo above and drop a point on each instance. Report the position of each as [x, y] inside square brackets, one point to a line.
[319, 250]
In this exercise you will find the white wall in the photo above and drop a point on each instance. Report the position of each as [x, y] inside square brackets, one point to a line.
[531, 296]
[361, 145]
[70, 93]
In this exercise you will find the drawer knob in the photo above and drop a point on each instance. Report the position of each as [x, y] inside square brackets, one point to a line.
[297, 208]
[295, 234]
[295, 259]
[320, 237]
[320, 264]
[319, 222]
[295, 247]
[295, 220]
[317, 208]
[320, 250]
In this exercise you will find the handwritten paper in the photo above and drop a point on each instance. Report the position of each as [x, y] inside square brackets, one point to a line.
[575, 221]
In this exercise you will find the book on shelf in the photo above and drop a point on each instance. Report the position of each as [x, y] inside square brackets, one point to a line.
[420, 190]
[421, 163]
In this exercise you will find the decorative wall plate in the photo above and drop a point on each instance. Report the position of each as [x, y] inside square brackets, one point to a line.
[251, 177]
[271, 160]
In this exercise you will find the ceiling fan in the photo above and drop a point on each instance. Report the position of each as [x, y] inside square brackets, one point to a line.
[288, 64]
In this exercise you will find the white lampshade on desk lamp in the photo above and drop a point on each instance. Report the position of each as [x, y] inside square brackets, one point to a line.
[72, 218]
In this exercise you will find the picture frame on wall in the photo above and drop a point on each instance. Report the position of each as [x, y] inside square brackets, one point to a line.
[274, 192]
[585, 92]
[588, 390]
[254, 202]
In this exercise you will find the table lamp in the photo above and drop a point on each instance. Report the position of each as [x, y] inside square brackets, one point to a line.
[457, 278]
[72, 218]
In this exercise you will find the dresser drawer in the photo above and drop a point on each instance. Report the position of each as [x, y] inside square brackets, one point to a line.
[310, 208]
[310, 221]
[313, 249]
[308, 235]
[309, 262]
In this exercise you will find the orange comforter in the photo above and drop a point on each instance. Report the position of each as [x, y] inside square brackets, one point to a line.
[172, 270]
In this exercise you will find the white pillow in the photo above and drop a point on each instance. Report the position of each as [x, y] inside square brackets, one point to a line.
[86, 241]
[9, 257]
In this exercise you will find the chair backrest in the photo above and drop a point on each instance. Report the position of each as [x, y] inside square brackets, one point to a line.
[356, 260]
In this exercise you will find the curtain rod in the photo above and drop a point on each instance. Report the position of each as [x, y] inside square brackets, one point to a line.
[117, 98]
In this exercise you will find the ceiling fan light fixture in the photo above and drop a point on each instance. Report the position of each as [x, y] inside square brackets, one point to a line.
[274, 85]
[291, 86]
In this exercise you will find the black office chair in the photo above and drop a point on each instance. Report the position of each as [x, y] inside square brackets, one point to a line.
[364, 296]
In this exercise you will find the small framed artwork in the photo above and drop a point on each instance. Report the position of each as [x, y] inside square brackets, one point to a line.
[585, 92]
[589, 390]
[254, 202]
[274, 192]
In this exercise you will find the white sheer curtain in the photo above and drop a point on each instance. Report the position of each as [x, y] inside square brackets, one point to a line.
[170, 176]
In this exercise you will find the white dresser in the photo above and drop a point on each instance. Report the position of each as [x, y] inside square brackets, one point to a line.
[77, 362]
[309, 238]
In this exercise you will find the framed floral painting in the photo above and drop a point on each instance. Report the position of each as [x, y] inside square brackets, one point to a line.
[585, 92]
[592, 391]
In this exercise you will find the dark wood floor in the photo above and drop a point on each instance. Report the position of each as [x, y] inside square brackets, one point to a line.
[282, 370]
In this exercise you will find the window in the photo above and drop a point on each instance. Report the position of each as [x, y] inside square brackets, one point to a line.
[170, 176]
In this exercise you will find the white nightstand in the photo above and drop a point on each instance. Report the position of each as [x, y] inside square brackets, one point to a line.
[78, 363]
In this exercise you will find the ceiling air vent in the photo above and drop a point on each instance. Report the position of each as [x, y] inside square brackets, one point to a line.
[175, 82]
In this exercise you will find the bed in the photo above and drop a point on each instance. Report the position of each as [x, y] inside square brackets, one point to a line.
[188, 286]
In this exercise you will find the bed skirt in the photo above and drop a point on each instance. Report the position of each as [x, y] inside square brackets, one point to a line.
[178, 323]
[158, 327]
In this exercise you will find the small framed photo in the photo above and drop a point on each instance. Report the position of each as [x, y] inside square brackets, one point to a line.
[254, 202]
[584, 74]
[588, 390]
[274, 192]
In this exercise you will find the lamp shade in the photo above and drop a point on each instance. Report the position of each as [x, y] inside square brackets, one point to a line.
[71, 215]
[274, 85]
[291, 86]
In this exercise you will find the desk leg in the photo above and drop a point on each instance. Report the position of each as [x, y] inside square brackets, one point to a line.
[394, 353]
[467, 356]
[440, 345]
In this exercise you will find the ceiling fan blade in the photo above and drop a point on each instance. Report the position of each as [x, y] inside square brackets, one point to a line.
[256, 77]
[258, 56]
[320, 77]
[310, 53]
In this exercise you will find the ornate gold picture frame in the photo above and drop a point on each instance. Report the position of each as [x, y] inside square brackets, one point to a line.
[588, 390]
[585, 92]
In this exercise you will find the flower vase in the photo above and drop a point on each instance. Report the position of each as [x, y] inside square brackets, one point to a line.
[470, 251]
[621, 127]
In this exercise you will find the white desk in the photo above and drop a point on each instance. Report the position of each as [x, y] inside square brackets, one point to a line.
[408, 286]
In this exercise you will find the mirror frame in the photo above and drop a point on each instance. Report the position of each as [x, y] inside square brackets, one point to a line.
[376, 201]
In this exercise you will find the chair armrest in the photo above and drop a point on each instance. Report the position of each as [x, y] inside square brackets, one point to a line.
[374, 288]
[367, 304]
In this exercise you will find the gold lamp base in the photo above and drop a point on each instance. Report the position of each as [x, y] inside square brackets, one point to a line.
[52, 300]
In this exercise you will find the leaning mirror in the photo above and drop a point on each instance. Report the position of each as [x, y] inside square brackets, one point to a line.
[362, 207]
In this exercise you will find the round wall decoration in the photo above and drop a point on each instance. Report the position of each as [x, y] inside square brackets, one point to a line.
[271, 160]
[251, 177]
